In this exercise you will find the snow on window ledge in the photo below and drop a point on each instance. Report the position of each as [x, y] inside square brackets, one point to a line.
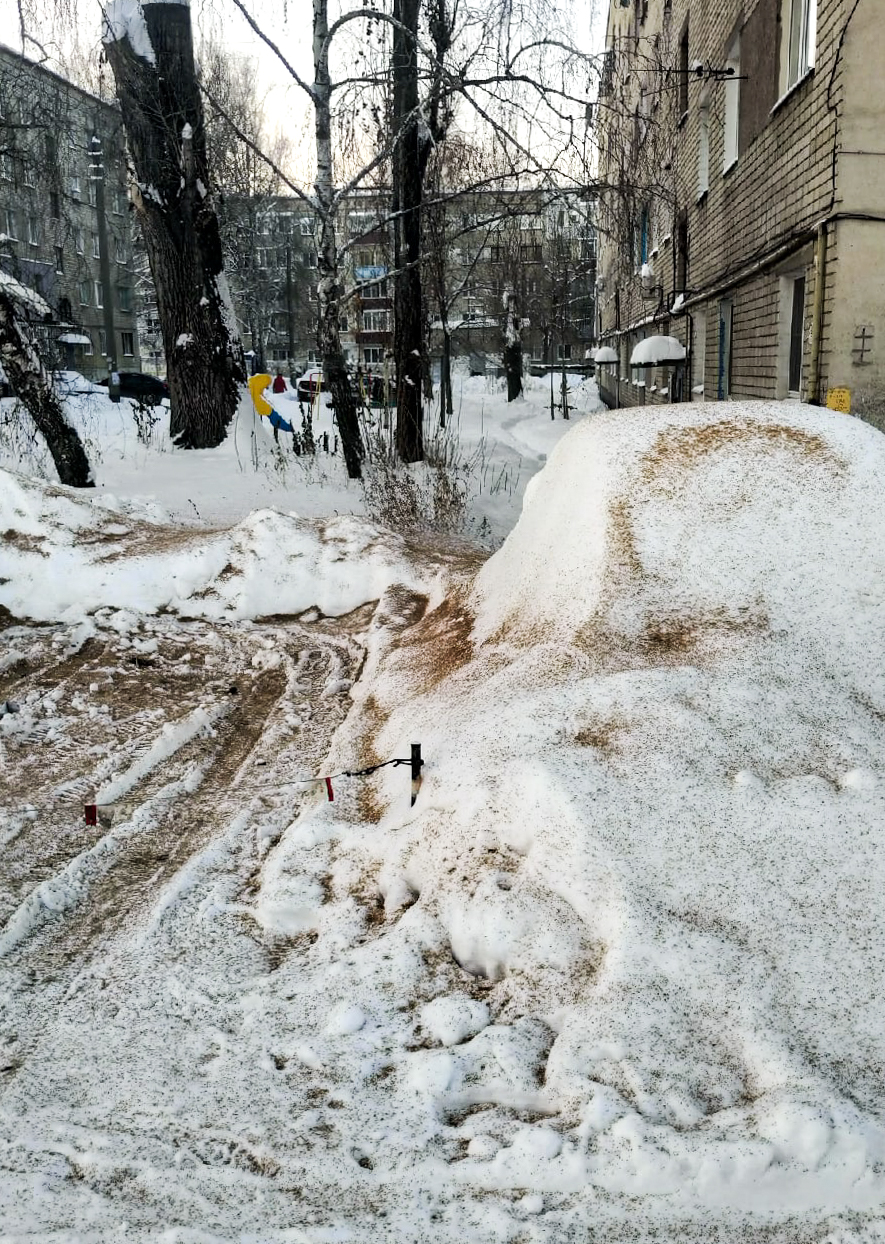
[778, 104]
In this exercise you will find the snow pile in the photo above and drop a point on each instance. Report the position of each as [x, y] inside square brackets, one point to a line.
[650, 828]
[617, 971]
[65, 555]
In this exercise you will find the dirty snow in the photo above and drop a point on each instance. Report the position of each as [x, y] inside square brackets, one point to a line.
[616, 975]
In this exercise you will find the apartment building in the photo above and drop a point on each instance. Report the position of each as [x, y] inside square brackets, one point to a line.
[741, 141]
[530, 253]
[53, 180]
[534, 249]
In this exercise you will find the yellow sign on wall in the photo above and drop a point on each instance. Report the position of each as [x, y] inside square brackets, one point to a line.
[839, 399]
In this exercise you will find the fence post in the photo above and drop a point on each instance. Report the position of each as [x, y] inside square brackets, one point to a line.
[417, 764]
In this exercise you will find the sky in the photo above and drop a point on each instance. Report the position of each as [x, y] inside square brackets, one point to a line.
[286, 22]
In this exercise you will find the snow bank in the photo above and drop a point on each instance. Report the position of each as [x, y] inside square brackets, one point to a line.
[650, 827]
[65, 557]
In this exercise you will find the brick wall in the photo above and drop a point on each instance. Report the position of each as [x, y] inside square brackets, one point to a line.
[760, 213]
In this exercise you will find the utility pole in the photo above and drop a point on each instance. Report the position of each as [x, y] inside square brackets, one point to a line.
[96, 176]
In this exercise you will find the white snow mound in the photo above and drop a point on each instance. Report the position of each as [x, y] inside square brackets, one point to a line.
[650, 824]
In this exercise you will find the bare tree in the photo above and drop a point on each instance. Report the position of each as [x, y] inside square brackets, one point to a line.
[153, 64]
[21, 311]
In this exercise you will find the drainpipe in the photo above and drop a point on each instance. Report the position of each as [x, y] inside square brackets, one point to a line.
[820, 276]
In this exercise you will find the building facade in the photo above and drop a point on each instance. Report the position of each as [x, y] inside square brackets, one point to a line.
[745, 213]
[53, 236]
[531, 251]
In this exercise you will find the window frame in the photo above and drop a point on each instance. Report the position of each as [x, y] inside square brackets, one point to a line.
[731, 124]
[799, 56]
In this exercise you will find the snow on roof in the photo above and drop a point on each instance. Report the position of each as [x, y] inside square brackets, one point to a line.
[605, 354]
[23, 295]
[655, 350]
[75, 339]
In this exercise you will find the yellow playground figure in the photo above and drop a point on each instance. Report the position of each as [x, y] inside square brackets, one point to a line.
[257, 386]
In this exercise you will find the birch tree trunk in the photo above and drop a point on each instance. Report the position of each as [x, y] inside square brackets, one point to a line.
[153, 65]
[329, 291]
[32, 386]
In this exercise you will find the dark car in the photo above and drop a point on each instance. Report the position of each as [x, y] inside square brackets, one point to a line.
[141, 386]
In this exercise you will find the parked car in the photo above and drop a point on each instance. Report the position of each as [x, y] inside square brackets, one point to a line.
[309, 384]
[141, 386]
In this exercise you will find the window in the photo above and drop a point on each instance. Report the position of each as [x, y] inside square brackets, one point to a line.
[120, 251]
[800, 22]
[84, 293]
[102, 343]
[7, 168]
[87, 345]
[475, 310]
[33, 230]
[59, 259]
[530, 251]
[79, 241]
[128, 342]
[28, 171]
[704, 144]
[496, 254]
[96, 246]
[124, 293]
[98, 293]
[644, 236]
[9, 224]
[311, 259]
[682, 253]
[343, 323]
[50, 147]
[732, 104]
[564, 351]
[65, 311]
[361, 222]
[723, 383]
[119, 201]
[377, 289]
[376, 321]
[683, 73]
[75, 189]
[373, 356]
[304, 224]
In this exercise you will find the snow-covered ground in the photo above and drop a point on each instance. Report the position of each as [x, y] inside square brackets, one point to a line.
[499, 446]
[616, 975]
